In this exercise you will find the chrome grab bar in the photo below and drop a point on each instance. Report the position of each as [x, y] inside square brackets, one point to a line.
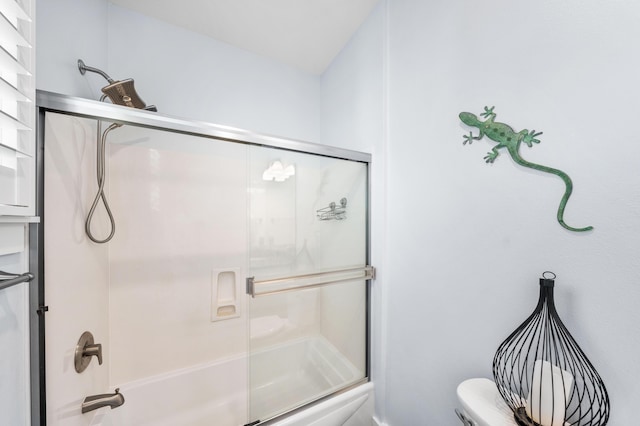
[299, 282]
[14, 279]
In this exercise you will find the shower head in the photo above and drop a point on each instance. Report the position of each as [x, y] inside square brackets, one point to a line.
[123, 93]
[120, 92]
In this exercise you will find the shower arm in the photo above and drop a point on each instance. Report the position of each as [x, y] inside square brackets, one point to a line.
[84, 68]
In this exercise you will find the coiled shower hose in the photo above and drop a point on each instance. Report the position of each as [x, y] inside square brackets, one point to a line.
[100, 169]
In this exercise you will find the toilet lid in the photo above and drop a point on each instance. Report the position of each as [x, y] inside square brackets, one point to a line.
[482, 402]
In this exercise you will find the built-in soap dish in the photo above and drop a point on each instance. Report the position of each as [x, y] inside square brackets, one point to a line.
[225, 311]
[225, 294]
[266, 326]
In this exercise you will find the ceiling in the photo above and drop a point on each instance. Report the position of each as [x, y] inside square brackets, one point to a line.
[306, 34]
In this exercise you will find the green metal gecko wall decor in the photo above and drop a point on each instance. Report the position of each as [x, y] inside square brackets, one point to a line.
[509, 139]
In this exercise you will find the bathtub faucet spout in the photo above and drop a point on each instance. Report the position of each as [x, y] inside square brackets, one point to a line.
[94, 402]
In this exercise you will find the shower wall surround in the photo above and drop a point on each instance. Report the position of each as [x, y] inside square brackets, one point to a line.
[188, 209]
[180, 206]
[76, 271]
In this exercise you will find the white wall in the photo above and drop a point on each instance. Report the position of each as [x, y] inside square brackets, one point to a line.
[468, 240]
[68, 30]
[195, 76]
[353, 116]
[465, 241]
[352, 92]
[185, 74]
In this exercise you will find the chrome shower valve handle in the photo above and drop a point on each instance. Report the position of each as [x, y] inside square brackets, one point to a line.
[85, 349]
[93, 350]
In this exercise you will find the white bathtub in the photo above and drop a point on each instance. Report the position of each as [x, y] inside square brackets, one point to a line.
[215, 394]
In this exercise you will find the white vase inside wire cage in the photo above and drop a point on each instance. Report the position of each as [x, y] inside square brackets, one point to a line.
[544, 376]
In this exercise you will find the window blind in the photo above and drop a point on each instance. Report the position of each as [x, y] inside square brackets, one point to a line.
[17, 111]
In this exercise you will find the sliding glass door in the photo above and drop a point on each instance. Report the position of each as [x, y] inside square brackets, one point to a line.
[307, 285]
[234, 289]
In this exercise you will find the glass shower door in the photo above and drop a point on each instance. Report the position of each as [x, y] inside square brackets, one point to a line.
[164, 297]
[200, 210]
[307, 285]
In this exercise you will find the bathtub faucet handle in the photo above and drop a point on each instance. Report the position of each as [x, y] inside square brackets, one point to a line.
[85, 349]
[93, 350]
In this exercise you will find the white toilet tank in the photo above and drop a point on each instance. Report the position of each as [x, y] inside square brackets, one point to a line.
[482, 404]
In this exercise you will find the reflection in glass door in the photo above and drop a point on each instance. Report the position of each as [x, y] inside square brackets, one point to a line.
[307, 260]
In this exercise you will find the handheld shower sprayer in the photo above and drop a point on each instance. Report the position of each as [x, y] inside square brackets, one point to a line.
[121, 92]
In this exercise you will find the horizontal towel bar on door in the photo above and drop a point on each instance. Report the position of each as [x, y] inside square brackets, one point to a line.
[299, 282]
[13, 279]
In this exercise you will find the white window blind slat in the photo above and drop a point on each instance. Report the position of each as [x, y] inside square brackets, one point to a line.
[12, 135]
[12, 122]
[9, 66]
[13, 104]
[15, 172]
[10, 37]
[13, 11]
[7, 89]
[17, 113]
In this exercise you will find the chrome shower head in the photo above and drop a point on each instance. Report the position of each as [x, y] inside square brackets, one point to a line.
[123, 93]
[120, 92]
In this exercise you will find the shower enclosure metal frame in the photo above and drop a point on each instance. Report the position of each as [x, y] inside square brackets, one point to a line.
[85, 108]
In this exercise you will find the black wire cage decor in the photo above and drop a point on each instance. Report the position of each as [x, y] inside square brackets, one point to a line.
[543, 375]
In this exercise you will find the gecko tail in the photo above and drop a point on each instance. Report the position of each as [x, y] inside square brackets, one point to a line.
[563, 204]
[570, 228]
[568, 187]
